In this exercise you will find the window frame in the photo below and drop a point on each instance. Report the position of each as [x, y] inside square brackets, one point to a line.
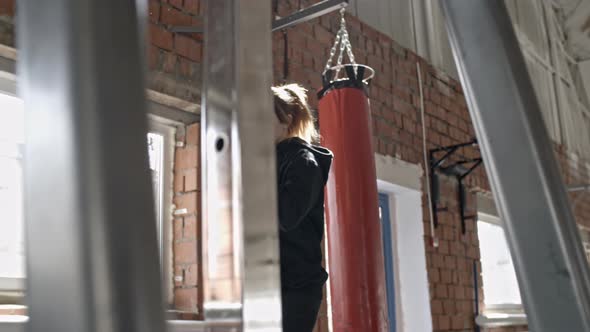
[494, 315]
[167, 129]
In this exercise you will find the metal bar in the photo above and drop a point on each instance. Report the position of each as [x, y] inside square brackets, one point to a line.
[585, 187]
[478, 161]
[448, 153]
[476, 294]
[552, 270]
[309, 13]
[187, 29]
[240, 239]
[456, 146]
[434, 195]
[302, 16]
[90, 225]
[461, 200]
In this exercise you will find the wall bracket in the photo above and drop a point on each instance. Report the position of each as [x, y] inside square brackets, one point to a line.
[459, 169]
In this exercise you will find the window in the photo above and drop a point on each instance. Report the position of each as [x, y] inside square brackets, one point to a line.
[161, 141]
[500, 286]
[585, 234]
[12, 249]
[12, 267]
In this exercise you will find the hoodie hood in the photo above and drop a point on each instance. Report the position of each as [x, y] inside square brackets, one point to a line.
[322, 155]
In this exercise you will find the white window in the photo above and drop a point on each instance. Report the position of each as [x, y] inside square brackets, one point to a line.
[161, 142]
[12, 267]
[500, 286]
[12, 249]
[585, 234]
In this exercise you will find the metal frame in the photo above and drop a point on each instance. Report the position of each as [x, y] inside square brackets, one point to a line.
[526, 182]
[457, 170]
[238, 168]
[319, 9]
[302, 16]
[91, 236]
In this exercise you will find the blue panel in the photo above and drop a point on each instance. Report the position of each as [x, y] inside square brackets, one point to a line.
[388, 256]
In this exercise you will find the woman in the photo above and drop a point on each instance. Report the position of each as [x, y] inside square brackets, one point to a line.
[302, 170]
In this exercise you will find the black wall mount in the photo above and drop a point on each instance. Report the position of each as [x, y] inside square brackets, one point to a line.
[460, 169]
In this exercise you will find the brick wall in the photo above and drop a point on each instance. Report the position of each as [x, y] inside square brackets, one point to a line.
[174, 60]
[7, 10]
[187, 265]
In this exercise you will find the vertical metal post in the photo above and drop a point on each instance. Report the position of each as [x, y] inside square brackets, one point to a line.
[238, 160]
[91, 239]
[528, 189]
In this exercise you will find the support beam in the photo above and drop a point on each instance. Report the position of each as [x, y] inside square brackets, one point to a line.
[92, 256]
[240, 229]
[309, 13]
[302, 16]
[528, 189]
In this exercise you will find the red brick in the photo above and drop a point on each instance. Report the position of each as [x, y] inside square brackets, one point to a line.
[444, 322]
[438, 260]
[450, 262]
[193, 134]
[449, 307]
[186, 298]
[7, 7]
[434, 275]
[187, 157]
[443, 247]
[178, 228]
[441, 291]
[154, 11]
[178, 184]
[192, 6]
[445, 276]
[473, 252]
[169, 63]
[458, 322]
[190, 273]
[174, 17]
[189, 228]
[436, 307]
[160, 37]
[191, 180]
[185, 252]
[188, 47]
[153, 56]
[187, 201]
[176, 3]
[459, 292]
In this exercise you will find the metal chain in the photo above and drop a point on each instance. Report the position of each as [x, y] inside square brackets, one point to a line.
[342, 40]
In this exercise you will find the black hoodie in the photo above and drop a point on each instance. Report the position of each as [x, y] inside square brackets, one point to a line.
[302, 172]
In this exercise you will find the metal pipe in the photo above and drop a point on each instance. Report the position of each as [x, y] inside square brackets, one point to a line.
[476, 295]
[528, 189]
[309, 13]
[585, 187]
[427, 171]
[92, 256]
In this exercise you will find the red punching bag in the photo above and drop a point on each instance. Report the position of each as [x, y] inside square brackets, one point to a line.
[355, 249]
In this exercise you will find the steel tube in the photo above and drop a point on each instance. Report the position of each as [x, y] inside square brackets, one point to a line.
[241, 252]
[528, 189]
[92, 256]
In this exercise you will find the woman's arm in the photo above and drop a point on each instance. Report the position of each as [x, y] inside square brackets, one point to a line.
[299, 191]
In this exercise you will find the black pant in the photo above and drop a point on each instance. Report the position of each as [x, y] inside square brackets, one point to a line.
[300, 308]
